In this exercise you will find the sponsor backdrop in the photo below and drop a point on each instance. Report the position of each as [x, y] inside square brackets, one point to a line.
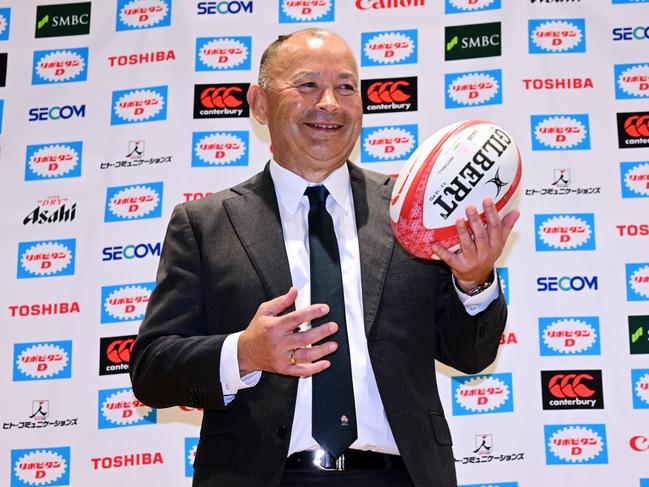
[114, 111]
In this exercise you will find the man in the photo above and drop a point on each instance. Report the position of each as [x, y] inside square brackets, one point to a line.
[221, 329]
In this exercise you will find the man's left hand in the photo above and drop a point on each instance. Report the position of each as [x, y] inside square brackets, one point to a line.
[474, 263]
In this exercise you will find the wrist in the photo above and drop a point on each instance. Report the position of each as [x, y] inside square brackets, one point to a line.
[473, 288]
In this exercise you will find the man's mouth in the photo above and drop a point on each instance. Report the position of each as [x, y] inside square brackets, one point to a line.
[324, 126]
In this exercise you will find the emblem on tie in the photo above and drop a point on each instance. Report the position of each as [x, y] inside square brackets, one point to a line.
[344, 420]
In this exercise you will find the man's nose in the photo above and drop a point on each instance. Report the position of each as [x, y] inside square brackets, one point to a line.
[328, 101]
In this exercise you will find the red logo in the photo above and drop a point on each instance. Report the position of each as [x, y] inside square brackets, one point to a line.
[387, 91]
[637, 125]
[569, 385]
[639, 443]
[128, 460]
[508, 338]
[119, 351]
[633, 230]
[381, 4]
[221, 97]
[43, 309]
[195, 196]
[557, 83]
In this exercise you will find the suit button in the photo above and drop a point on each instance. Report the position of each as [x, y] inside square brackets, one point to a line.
[282, 431]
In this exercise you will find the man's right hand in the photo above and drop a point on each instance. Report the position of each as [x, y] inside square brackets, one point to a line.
[269, 341]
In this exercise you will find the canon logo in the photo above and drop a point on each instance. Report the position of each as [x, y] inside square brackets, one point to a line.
[633, 230]
[639, 443]
[382, 4]
[131, 460]
[569, 385]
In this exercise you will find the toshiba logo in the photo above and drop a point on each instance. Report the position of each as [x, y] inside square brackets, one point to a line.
[389, 95]
[128, 460]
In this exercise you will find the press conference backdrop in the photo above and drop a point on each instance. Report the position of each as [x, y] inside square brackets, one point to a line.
[114, 111]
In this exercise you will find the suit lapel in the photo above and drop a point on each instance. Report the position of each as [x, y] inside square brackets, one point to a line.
[255, 217]
[375, 238]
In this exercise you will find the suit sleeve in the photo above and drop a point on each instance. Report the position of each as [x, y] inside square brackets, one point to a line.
[174, 361]
[468, 343]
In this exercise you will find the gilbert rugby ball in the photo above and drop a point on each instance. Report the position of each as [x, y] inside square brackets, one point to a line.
[457, 166]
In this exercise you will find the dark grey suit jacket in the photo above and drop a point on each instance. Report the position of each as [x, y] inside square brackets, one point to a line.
[223, 256]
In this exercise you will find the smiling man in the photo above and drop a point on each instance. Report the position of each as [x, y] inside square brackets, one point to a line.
[285, 308]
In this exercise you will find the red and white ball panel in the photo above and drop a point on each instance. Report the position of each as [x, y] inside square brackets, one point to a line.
[457, 166]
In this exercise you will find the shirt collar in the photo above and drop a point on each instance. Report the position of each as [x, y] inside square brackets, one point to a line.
[290, 187]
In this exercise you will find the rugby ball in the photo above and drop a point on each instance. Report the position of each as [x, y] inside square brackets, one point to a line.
[457, 166]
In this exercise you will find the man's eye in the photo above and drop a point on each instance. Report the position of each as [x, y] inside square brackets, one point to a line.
[308, 84]
[347, 87]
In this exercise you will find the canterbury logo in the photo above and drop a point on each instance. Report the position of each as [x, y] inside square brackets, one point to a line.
[569, 385]
[387, 91]
[221, 97]
[637, 126]
[119, 351]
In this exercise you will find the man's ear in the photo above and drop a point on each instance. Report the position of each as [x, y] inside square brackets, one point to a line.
[257, 100]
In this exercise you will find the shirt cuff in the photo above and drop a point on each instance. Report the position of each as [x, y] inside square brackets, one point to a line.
[231, 381]
[478, 303]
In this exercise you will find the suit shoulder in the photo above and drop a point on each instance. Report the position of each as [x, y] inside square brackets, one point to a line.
[373, 177]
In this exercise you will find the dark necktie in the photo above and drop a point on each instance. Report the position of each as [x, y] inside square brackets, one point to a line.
[334, 413]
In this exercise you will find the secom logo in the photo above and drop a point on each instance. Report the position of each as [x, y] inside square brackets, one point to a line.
[560, 36]
[291, 11]
[388, 143]
[480, 394]
[569, 335]
[142, 14]
[223, 53]
[462, 6]
[560, 132]
[570, 444]
[473, 88]
[42, 360]
[40, 466]
[389, 47]
[567, 231]
[566, 283]
[213, 149]
[46, 258]
[60, 66]
[119, 408]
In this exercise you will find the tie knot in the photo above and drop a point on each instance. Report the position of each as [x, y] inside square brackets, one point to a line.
[316, 194]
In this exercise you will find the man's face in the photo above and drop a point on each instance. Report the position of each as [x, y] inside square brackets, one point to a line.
[313, 106]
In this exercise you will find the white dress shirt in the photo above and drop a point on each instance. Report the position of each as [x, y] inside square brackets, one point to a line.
[374, 432]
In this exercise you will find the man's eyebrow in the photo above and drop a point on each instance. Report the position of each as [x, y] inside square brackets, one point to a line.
[316, 74]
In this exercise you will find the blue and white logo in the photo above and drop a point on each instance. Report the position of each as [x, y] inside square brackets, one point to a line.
[389, 47]
[503, 277]
[139, 105]
[575, 444]
[629, 1]
[634, 178]
[463, 6]
[142, 14]
[5, 21]
[223, 53]
[119, 408]
[637, 282]
[560, 132]
[191, 444]
[566, 283]
[644, 482]
[474, 88]
[640, 384]
[388, 143]
[557, 36]
[569, 335]
[60, 66]
[631, 81]
[40, 466]
[482, 394]
[492, 484]
[42, 360]
[46, 258]
[564, 231]
[214, 149]
[291, 11]
[53, 161]
[125, 302]
[133, 202]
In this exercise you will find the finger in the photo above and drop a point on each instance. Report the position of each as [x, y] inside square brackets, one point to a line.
[508, 222]
[307, 369]
[292, 320]
[467, 246]
[448, 257]
[309, 337]
[277, 305]
[480, 237]
[312, 354]
[494, 227]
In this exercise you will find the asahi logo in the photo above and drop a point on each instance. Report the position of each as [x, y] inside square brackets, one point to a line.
[306, 11]
[572, 389]
[223, 53]
[388, 143]
[63, 19]
[387, 95]
[139, 105]
[389, 47]
[223, 100]
[42, 360]
[212, 149]
[52, 209]
[472, 41]
[143, 14]
[60, 66]
[557, 36]
[631, 81]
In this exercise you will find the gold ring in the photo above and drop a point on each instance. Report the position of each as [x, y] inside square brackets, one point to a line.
[292, 359]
